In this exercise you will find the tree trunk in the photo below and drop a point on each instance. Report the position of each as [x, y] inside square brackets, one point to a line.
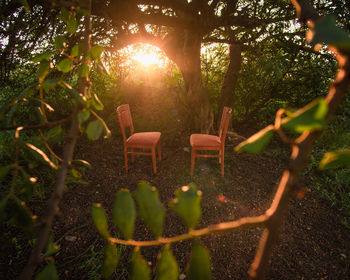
[200, 113]
[227, 96]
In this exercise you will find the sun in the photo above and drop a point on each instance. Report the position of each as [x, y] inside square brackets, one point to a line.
[146, 55]
[147, 59]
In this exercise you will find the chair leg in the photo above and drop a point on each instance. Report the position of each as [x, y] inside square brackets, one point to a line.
[159, 152]
[222, 163]
[154, 159]
[126, 159]
[132, 156]
[193, 155]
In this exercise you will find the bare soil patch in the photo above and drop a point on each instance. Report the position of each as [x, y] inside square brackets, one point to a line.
[313, 242]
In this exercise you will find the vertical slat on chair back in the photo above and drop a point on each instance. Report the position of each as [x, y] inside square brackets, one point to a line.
[125, 120]
[225, 120]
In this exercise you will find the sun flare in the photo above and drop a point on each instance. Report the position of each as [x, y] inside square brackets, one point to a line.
[147, 59]
[146, 55]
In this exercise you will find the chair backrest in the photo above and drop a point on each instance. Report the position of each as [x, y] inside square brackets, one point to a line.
[125, 119]
[225, 120]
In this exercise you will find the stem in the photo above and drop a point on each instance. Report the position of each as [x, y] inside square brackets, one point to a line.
[246, 222]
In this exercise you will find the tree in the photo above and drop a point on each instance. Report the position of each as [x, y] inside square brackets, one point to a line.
[308, 121]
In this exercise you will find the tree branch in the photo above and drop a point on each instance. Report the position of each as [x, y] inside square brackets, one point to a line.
[298, 160]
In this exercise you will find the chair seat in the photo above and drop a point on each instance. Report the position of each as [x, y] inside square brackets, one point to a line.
[143, 139]
[205, 140]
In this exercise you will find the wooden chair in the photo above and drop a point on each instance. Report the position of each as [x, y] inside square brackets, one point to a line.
[211, 142]
[142, 140]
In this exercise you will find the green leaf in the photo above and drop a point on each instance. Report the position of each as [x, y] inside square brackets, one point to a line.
[51, 248]
[96, 51]
[84, 70]
[110, 261]
[72, 25]
[60, 42]
[97, 103]
[187, 205]
[326, 31]
[139, 267]
[4, 170]
[22, 215]
[167, 268]
[81, 162]
[100, 220]
[199, 266]
[43, 70]
[48, 273]
[83, 12]
[124, 213]
[94, 129]
[3, 204]
[255, 143]
[65, 65]
[42, 155]
[54, 132]
[42, 57]
[150, 208]
[335, 160]
[75, 173]
[311, 117]
[25, 5]
[64, 15]
[77, 50]
[49, 85]
[83, 116]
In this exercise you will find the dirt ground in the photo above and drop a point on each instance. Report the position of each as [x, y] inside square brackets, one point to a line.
[313, 243]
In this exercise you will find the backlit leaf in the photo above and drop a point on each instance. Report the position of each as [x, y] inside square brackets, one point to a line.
[84, 70]
[43, 70]
[100, 220]
[42, 154]
[54, 132]
[48, 273]
[51, 248]
[83, 116]
[110, 261]
[124, 213]
[97, 103]
[49, 84]
[77, 50]
[327, 32]
[41, 57]
[150, 208]
[81, 162]
[65, 65]
[83, 12]
[335, 160]
[255, 143]
[311, 117]
[75, 173]
[94, 129]
[64, 15]
[167, 268]
[60, 42]
[199, 266]
[187, 204]
[72, 25]
[139, 267]
[96, 51]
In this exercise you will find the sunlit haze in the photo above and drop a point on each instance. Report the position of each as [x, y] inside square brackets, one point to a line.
[146, 55]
